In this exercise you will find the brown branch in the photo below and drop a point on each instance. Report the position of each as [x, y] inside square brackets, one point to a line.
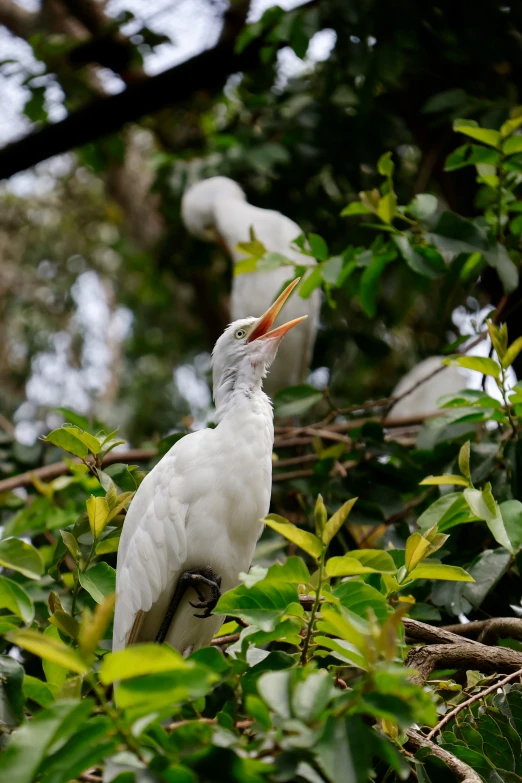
[88, 777]
[465, 655]
[461, 770]
[488, 631]
[422, 632]
[228, 639]
[17, 19]
[492, 689]
[50, 472]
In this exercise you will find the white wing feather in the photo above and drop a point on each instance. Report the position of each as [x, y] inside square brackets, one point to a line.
[152, 548]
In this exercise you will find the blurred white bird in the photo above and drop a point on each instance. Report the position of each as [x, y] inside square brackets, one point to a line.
[422, 401]
[195, 519]
[216, 210]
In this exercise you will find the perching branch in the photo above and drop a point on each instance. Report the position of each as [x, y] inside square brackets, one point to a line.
[461, 770]
[488, 631]
[463, 705]
[466, 655]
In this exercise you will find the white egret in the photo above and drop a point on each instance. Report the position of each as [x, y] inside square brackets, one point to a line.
[196, 517]
[216, 210]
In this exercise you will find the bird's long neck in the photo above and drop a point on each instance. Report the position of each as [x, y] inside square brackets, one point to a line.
[239, 393]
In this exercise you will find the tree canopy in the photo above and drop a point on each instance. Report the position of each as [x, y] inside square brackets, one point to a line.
[378, 633]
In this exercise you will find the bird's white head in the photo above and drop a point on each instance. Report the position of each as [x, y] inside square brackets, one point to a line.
[197, 205]
[246, 349]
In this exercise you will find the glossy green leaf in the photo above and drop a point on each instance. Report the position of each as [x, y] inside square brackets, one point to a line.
[98, 512]
[337, 520]
[140, 659]
[480, 364]
[464, 460]
[362, 561]
[485, 135]
[512, 353]
[429, 570]
[22, 557]
[50, 649]
[66, 440]
[15, 599]
[443, 480]
[318, 247]
[99, 581]
[301, 538]
[484, 506]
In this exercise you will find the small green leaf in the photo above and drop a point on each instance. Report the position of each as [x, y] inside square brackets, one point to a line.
[320, 516]
[449, 573]
[446, 479]
[307, 541]
[64, 439]
[140, 659]
[98, 512]
[512, 353]
[511, 511]
[464, 460]
[356, 208]
[318, 247]
[416, 548]
[512, 145]
[362, 561]
[336, 521]
[480, 364]
[71, 544]
[16, 600]
[484, 506]
[99, 581]
[387, 207]
[92, 443]
[385, 165]
[20, 556]
[485, 135]
[65, 623]
[311, 282]
[49, 649]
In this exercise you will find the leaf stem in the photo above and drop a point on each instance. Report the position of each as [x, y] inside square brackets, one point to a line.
[315, 607]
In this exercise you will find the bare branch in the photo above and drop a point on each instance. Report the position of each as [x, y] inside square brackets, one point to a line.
[17, 19]
[466, 655]
[461, 770]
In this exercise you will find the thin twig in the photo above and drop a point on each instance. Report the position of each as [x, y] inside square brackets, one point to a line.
[471, 700]
[460, 769]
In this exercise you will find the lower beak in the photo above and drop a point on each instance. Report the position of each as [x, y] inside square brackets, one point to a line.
[262, 329]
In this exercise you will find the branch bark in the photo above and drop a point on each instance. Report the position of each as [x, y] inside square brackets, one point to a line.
[465, 655]
[488, 631]
[461, 770]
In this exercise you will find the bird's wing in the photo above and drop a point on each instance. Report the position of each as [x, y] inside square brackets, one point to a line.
[152, 548]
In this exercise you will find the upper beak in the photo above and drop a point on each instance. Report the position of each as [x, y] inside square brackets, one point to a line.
[262, 329]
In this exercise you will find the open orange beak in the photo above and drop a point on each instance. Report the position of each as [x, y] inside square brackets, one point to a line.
[262, 330]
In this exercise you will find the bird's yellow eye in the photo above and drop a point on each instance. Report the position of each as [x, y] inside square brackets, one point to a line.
[240, 333]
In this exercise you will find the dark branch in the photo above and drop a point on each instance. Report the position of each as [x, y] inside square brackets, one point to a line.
[461, 770]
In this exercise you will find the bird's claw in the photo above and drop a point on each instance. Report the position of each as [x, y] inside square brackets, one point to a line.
[208, 605]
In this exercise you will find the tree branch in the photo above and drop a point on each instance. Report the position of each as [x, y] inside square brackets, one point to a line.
[488, 631]
[461, 770]
[465, 655]
[17, 19]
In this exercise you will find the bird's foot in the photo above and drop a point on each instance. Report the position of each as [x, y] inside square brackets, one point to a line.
[200, 577]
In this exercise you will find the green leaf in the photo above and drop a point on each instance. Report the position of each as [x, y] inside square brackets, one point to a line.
[99, 581]
[464, 460]
[385, 165]
[296, 400]
[471, 155]
[431, 266]
[64, 439]
[14, 598]
[336, 521]
[49, 649]
[362, 561]
[263, 604]
[11, 694]
[416, 548]
[65, 623]
[71, 544]
[484, 506]
[48, 729]
[429, 570]
[512, 353]
[356, 208]
[485, 135]
[446, 512]
[312, 281]
[368, 288]
[359, 597]
[140, 659]
[387, 207]
[22, 557]
[512, 145]
[320, 516]
[38, 691]
[511, 511]
[318, 247]
[446, 479]
[311, 696]
[480, 364]
[274, 689]
[92, 443]
[98, 512]
[331, 270]
[301, 538]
